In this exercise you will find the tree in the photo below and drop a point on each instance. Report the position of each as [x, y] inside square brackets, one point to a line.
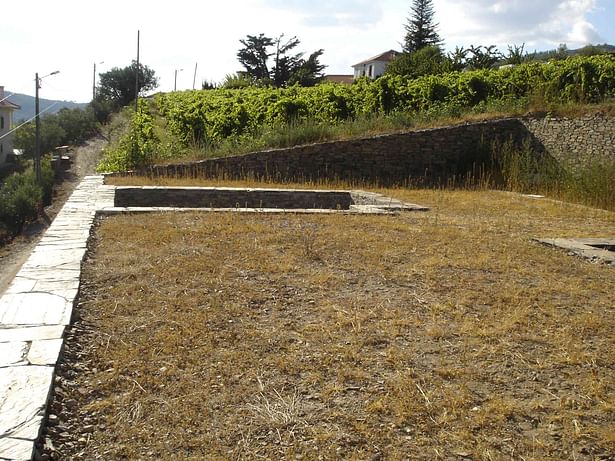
[308, 72]
[516, 54]
[428, 60]
[118, 85]
[483, 57]
[52, 136]
[287, 69]
[254, 55]
[420, 29]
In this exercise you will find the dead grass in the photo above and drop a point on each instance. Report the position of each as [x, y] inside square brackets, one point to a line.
[442, 335]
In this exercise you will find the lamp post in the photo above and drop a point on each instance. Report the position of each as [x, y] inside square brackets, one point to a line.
[94, 81]
[37, 150]
[175, 85]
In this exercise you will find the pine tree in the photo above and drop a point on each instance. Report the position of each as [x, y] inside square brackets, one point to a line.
[420, 29]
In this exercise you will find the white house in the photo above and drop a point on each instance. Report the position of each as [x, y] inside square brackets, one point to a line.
[6, 122]
[375, 66]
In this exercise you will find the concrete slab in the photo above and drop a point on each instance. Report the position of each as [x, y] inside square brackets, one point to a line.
[595, 249]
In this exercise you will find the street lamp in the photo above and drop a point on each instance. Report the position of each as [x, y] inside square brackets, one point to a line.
[175, 86]
[37, 151]
[94, 81]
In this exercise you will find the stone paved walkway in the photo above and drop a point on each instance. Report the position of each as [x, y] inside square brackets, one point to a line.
[34, 311]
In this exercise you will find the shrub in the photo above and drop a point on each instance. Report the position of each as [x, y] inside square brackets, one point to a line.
[138, 147]
[20, 197]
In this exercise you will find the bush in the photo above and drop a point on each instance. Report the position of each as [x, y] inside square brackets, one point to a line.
[137, 148]
[20, 197]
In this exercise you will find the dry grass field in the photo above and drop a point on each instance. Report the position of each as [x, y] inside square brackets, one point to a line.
[446, 335]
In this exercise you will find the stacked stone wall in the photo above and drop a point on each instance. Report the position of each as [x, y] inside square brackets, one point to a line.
[430, 156]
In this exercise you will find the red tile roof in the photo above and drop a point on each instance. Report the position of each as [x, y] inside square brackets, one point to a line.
[9, 105]
[387, 56]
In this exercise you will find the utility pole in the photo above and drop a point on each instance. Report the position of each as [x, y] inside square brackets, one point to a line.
[194, 78]
[175, 85]
[37, 144]
[94, 81]
[37, 141]
[137, 75]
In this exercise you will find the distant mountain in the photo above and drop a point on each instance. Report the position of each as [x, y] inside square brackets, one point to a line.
[27, 105]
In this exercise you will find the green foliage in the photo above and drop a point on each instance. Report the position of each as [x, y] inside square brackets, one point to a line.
[207, 118]
[235, 81]
[68, 126]
[483, 57]
[517, 55]
[288, 69]
[137, 148]
[118, 85]
[523, 170]
[254, 55]
[420, 28]
[428, 60]
[20, 197]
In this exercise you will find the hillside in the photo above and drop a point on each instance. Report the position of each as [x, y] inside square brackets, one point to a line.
[26, 103]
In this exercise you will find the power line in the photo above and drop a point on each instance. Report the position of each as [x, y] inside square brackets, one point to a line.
[28, 121]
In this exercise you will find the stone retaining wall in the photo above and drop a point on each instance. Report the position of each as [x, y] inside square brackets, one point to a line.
[431, 156]
[426, 156]
[575, 141]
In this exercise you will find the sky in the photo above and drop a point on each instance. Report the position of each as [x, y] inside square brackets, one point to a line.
[72, 35]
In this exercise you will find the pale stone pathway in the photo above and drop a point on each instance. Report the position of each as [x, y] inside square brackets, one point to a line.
[34, 311]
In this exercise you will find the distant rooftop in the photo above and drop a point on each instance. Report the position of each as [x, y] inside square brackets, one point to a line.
[5, 103]
[387, 56]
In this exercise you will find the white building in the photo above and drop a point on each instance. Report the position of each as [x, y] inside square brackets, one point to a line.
[6, 123]
[375, 66]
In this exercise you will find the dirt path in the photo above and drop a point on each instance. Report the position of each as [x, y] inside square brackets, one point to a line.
[13, 255]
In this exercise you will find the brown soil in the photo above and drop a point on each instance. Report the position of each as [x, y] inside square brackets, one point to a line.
[14, 254]
[445, 335]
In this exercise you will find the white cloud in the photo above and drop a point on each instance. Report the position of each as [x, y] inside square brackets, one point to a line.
[327, 13]
[534, 22]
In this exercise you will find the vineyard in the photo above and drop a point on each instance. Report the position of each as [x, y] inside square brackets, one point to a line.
[207, 117]
[222, 122]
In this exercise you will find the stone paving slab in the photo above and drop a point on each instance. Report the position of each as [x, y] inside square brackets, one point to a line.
[35, 308]
[40, 352]
[31, 333]
[23, 395]
[15, 449]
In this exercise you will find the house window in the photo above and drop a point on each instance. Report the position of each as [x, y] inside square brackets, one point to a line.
[371, 71]
[1, 123]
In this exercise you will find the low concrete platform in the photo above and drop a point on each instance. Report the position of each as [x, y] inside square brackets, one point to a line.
[595, 249]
